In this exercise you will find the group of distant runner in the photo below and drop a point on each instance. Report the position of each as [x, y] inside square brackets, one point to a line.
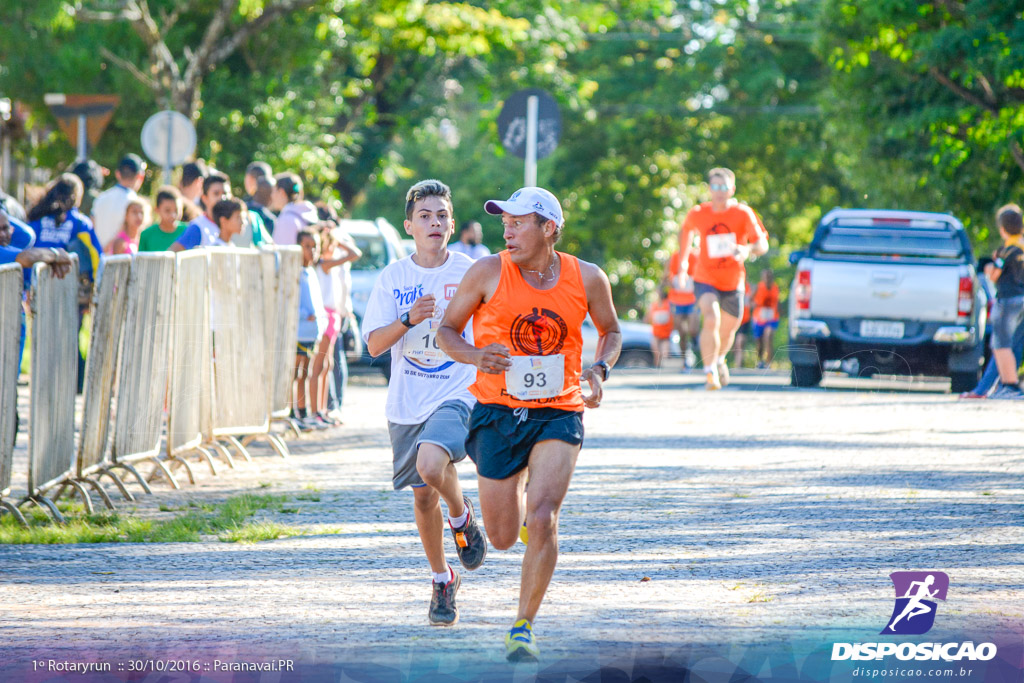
[486, 361]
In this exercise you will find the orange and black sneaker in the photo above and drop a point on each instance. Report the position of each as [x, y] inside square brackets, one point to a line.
[470, 542]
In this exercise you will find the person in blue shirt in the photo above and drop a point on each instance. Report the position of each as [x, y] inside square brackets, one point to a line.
[227, 217]
[58, 223]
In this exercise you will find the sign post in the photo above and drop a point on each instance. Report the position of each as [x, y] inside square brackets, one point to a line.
[529, 126]
[168, 139]
[83, 118]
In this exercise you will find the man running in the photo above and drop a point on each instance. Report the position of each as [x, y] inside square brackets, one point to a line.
[428, 402]
[528, 304]
[730, 233]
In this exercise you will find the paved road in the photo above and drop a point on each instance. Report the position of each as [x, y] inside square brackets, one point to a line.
[750, 515]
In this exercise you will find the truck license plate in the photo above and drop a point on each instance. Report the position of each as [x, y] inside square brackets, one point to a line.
[881, 329]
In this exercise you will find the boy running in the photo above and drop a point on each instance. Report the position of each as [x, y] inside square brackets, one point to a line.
[528, 304]
[428, 401]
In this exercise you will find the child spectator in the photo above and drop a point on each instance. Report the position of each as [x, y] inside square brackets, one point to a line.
[169, 226]
[312, 324]
[766, 316]
[1007, 271]
[228, 216]
[136, 214]
[659, 316]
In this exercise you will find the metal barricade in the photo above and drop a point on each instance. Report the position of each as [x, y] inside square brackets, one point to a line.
[51, 442]
[285, 312]
[10, 341]
[189, 383]
[145, 357]
[109, 303]
[240, 406]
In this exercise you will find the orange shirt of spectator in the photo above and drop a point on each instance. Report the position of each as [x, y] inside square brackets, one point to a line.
[720, 232]
[766, 303]
[676, 295]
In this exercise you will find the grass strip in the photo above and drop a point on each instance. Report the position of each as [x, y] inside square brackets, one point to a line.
[229, 521]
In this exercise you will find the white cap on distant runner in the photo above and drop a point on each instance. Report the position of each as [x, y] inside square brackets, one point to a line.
[528, 200]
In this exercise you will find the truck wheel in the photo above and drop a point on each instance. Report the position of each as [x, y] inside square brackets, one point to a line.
[635, 358]
[960, 382]
[805, 375]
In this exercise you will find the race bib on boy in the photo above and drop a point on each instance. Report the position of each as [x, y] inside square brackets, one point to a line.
[662, 318]
[721, 245]
[421, 343]
[533, 377]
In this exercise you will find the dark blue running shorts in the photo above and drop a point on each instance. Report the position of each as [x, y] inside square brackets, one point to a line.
[501, 438]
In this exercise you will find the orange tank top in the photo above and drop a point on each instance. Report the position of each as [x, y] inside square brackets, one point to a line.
[534, 322]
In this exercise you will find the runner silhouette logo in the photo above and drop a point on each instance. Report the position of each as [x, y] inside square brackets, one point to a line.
[916, 593]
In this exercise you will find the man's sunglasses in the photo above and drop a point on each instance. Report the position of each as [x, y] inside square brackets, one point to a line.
[719, 187]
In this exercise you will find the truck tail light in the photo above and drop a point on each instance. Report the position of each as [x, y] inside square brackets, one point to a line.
[802, 291]
[965, 300]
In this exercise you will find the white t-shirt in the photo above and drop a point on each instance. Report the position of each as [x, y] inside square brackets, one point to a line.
[327, 287]
[108, 212]
[420, 379]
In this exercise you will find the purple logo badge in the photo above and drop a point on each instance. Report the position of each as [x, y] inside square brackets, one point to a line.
[916, 592]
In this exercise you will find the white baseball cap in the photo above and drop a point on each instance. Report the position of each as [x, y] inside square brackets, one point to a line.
[528, 200]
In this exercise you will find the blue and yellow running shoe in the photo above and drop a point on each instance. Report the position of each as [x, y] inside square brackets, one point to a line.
[520, 645]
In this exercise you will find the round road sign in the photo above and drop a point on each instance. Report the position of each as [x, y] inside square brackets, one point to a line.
[512, 123]
[168, 138]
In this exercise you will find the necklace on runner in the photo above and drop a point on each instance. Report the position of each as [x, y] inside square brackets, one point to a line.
[540, 273]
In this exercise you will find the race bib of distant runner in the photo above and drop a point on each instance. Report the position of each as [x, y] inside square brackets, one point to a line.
[764, 314]
[721, 245]
[533, 377]
[421, 342]
[662, 318]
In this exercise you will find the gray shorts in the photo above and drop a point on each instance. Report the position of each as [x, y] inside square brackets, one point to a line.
[446, 427]
[1006, 316]
[730, 302]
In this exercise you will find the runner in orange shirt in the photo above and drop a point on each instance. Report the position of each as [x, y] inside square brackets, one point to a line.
[730, 233]
[685, 316]
[659, 317]
[528, 304]
[766, 316]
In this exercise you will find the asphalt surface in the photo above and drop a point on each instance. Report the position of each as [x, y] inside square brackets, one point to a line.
[756, 514]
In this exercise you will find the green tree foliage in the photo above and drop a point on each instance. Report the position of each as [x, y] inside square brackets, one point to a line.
[931, 95]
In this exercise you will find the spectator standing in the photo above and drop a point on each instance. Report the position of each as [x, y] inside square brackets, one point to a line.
[136, 215]
[312, 323]
[296, 214]
[766, 316]
[259, 175]
[193, 174]
[228, 217]
[169, 226]
[1007, 271]
[470, 242]
[57, 222]
[204, 231]
[108, 208]
[91, 174]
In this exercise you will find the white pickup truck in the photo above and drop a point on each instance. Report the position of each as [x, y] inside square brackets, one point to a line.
[887, 292]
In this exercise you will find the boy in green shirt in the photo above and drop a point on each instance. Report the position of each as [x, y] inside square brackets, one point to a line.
[160, 236]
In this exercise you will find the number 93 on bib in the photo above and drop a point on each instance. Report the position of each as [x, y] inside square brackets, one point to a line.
[533, 377]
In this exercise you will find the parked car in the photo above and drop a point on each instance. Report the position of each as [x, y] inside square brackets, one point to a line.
[381, 245]
[887, 292]
[636, 344]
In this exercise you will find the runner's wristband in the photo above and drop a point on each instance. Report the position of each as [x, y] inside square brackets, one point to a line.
[605, 369]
